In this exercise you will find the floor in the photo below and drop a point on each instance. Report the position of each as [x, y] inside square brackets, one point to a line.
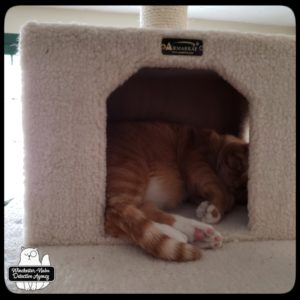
[239, 267]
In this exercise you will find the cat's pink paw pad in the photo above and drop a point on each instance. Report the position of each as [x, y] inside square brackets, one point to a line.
[200, 232]
[217, 238]
[217, 241]
[199, 235]
[214, 241]
[209, 231]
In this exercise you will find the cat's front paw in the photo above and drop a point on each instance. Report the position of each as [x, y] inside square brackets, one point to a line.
[208, 213]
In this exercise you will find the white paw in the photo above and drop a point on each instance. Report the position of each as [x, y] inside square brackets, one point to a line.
[200, 232]
[172, 232]
[214, 241]
[208, 213]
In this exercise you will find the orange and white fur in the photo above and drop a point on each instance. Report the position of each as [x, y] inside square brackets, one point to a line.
[155, 166]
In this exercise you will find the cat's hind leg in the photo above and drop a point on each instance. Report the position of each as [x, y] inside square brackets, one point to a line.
[156, 239]
[172, 232]
[205, 235]
[126, 184]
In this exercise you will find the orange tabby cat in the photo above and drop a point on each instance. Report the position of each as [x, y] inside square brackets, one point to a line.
[155, 166]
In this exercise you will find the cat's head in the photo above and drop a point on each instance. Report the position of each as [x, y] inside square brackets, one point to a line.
[233, 166]
[29, 254]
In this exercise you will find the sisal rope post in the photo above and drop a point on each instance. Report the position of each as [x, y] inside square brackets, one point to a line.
[166, 17]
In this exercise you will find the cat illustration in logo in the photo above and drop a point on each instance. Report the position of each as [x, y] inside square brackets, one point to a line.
[30, 257]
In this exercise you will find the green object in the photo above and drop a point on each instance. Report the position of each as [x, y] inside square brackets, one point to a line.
[11, 41]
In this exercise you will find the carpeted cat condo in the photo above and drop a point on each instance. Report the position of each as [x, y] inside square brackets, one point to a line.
[69, 72]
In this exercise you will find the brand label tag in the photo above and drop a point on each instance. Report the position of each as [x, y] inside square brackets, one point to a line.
[170, 46]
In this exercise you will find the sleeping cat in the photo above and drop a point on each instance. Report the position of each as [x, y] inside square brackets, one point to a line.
[153, 166]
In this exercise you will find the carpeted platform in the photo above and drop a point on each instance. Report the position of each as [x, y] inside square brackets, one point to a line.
[70, 71]
[239, 267]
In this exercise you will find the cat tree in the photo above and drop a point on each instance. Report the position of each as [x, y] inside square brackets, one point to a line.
[69, 72]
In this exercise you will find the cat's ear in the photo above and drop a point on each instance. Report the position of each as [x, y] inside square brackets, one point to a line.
[22, 248]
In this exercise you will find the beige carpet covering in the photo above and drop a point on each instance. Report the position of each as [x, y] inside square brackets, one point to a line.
[239, 267]
[68, 73]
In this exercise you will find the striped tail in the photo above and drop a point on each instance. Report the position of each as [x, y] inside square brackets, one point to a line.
[145, 233]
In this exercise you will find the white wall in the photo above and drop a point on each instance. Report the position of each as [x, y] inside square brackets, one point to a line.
[17, 16]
